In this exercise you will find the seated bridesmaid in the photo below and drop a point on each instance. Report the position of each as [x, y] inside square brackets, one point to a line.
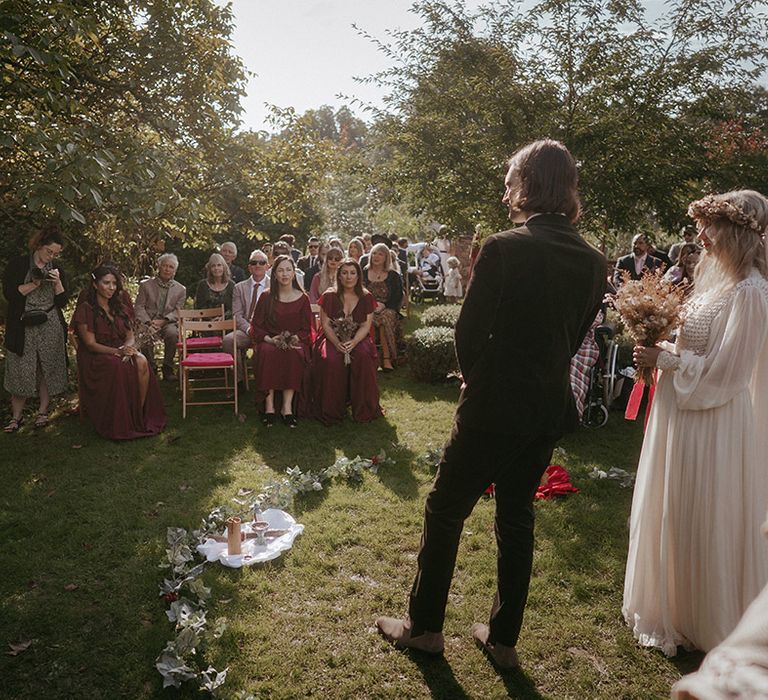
[118, 393]
[281, 326]
[346, 316]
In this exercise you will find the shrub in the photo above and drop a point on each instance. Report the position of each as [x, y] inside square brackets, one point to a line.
[432, 353]
[442, 315]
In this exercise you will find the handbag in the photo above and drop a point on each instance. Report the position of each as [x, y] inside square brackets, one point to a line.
[34, 317]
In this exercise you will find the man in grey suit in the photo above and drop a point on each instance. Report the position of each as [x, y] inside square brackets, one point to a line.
[157, 305]
[244, 300]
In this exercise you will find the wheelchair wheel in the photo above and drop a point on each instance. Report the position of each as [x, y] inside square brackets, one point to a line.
[595, 415]
[610, 376]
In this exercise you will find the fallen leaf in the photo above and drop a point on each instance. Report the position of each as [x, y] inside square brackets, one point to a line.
[71, 587]
[184, 487]
[50, 493]
[245, 492]
[77, 447]
[19, 647]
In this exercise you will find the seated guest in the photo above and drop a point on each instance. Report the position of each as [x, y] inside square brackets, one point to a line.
[376, 238]
[157, 306]
[367, 242]
[387, 288]
[290, 240]
[228, 251]
[267, 250]
[428, 264]
[217, 288]
[335, 242]
[356, 249]
[322, 251]
[118, 393]
[637, 262]
[325, 280]
[282, 248]
[244, 300]
[346, 359]
[308, 260]
[682, 272]
[689, 237]
[281, 362]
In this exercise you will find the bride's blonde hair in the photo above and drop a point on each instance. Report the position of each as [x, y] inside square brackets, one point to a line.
[736, 223]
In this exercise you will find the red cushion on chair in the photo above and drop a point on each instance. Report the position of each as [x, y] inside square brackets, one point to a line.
[213, 341]
[209, 359]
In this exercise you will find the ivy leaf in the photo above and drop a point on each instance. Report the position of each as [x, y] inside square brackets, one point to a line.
[173, 670]
[210, 679]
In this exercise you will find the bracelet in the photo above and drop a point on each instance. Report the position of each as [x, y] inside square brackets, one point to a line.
[667, 361]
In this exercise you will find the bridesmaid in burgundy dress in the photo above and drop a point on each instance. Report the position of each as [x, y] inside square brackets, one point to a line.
[282, 328]
[118, 393]
[346, 316]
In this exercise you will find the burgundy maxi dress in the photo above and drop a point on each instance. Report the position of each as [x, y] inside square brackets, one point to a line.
[109, 387]
[337, 385]
[277, 369]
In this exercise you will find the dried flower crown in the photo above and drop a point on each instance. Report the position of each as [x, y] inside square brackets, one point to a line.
[714, 207]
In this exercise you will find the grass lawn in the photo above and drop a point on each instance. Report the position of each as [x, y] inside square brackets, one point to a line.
[84, 523]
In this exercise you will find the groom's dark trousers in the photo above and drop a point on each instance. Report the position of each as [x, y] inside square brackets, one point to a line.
[533, 295]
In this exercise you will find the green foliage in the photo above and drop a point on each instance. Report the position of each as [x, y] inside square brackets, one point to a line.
[441, 315]
[432, 353]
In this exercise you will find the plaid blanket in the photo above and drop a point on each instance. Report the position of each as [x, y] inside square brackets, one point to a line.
[582, 362]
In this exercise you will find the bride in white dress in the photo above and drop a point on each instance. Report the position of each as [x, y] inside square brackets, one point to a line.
[696, 558]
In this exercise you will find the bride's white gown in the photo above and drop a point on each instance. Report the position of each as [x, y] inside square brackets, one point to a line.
[696, 558]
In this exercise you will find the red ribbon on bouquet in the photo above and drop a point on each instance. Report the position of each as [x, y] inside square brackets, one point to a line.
[636, 398]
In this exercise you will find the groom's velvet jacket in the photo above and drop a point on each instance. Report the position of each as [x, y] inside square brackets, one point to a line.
[533, 295]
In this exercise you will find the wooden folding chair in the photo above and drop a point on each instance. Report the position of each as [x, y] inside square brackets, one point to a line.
[212, 342]
[197, 361]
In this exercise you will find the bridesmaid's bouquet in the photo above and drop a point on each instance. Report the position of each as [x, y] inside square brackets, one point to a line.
[287, 341]
[345, 329]
[650, 308]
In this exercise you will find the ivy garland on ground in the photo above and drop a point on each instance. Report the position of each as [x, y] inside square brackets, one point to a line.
[182, 659]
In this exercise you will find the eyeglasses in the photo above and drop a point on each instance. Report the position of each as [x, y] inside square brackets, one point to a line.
[257, 262]
[54, 254]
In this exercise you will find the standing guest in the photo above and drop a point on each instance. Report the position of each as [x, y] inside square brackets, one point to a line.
[35, 286]
[637, 262]
[281, 363]
[367, 241]
[118, 393]
[290, 240]
[387, 288]
[454, 288]
[267, 249]
[696, 559]
[244, 300]
[282, 248]
[228, 251]
[544, 278]
[356, 249]
[346, 311]
[322, 251]
[325, 280]
[688, 233]
[157, 305]
[217, 288]
[308, 260]
[442, 246]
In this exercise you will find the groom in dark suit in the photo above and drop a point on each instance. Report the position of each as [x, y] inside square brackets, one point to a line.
[534, 292]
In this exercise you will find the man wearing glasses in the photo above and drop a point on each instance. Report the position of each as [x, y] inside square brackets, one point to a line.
[310, 259]
[244, 300]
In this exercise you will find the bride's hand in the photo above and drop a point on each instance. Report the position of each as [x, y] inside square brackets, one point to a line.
[645, 357]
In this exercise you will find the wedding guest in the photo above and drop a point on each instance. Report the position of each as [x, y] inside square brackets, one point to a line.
[281, 329]
[387, 288]
[228, 251]
[118, 392]
[157, 306]
[688, 233]
[217, 288]
[322, 251]
[696, 559]
[637, 262]
[244, 299]
[282, 248]
[35, 286]
[442, 247]
[682, 272]
[290, 240]
[308, 260]
[325, 280]
[346, 314]
[356, 249]
[335, 242]
[454, 288]
[541, 265]
[267, 249]
[367, 241]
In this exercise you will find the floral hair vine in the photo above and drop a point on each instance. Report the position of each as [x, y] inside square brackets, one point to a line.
[714, 207]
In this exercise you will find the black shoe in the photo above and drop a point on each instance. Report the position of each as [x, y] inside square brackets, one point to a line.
[290, 420]
[268, 419]
[168, 374]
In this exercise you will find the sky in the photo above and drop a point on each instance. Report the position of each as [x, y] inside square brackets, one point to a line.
[306, 52]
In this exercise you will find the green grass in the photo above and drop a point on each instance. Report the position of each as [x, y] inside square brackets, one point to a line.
[76, 509]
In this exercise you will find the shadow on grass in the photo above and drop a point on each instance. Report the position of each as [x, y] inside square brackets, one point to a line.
[687, 661]
[438, 675]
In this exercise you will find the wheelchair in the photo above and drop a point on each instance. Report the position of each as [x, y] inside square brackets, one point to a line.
[604, 380]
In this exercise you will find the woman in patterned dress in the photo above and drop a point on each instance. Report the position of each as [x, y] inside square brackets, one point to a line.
[696, 558]
[381, 280]
[36, 362]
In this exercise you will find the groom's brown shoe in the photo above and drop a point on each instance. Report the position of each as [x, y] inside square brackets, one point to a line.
[399, 633]
[502, 655]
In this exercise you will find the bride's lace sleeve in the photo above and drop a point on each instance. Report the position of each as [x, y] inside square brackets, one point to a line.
[711, 380]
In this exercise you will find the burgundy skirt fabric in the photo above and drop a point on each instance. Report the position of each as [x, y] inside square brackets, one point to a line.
[279, 369]
[336, 385]
[109, 396]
